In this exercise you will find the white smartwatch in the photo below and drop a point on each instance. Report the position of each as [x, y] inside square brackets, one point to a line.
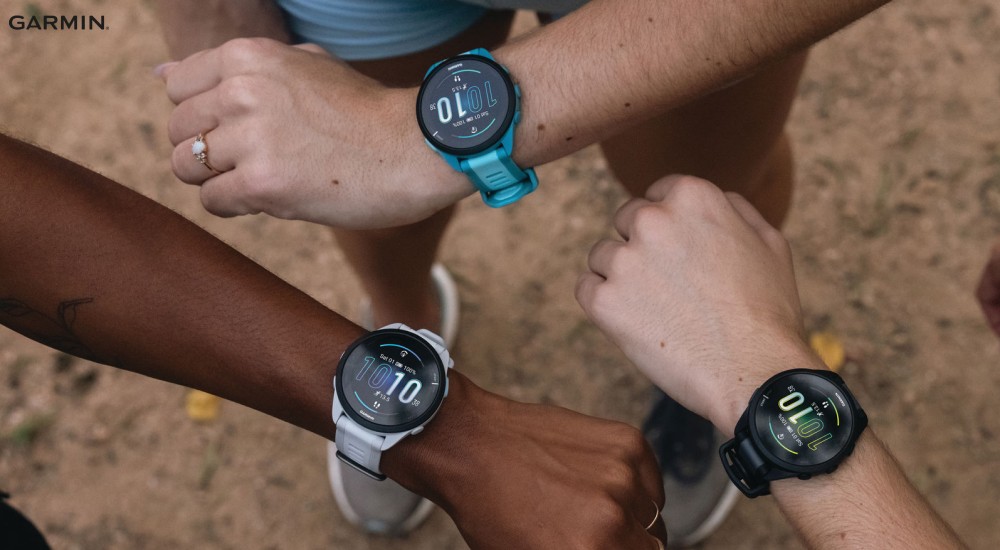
[389, 385]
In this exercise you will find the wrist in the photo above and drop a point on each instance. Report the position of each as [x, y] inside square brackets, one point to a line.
[429, 463]
[789, 352]
[420, 167]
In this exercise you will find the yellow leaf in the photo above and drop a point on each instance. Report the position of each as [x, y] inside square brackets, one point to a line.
[202, 406]
[829, 348]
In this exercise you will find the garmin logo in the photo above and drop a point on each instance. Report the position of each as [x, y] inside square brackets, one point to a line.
[56, 23]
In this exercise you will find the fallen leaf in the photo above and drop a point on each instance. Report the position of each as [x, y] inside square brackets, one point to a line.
[202, 406]
[829, 348]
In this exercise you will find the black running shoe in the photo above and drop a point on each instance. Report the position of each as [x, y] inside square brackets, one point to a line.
[699, 493]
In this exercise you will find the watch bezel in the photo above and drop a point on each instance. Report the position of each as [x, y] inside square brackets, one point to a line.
[858, 420]
[419, 342]
[508, 116]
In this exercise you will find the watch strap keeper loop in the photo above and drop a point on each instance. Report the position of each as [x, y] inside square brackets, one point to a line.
[499, 179]
[359, 448]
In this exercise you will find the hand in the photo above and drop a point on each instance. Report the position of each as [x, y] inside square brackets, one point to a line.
[701, 296]
[532, 477]
[989, 290]
[299, 135]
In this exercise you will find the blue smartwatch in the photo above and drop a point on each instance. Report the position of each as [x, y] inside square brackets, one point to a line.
[467, 109]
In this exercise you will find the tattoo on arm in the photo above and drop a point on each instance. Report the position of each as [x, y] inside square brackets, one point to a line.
[55, 332]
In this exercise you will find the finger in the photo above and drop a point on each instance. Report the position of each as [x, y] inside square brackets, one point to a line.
[312, 48]
[663, 186]
[602, 256]
[642, 540]
[223, 196]
[748, 212]
[194, 115]
[163, 69]
[625, 218]
[220, 154]
[771, 236]
[659, 532]
[586, 289]
[651, 477]
[196, 74]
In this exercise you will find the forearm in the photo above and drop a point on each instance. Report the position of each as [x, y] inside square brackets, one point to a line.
[94, 269]
[190, 26]
[615, 63]
[867, 503]
[159, 295]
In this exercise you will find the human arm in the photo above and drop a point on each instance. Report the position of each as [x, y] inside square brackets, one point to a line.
[91, 268]
[287, 126]
[701, 296]
[988, 292]
[190, 26]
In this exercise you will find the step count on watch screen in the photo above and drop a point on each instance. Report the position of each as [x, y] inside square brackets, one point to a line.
[466, 104]
[391, 381]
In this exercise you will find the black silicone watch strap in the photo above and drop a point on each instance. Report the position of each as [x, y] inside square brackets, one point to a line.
[743, 464]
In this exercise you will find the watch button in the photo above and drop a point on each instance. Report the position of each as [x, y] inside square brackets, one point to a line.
[517, 117]
[517, 90]
[417, 430]
[804, 477]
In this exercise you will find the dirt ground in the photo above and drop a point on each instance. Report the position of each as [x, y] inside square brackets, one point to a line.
[897, 130]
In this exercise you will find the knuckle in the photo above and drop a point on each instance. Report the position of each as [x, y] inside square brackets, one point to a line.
[240, 91]
[602, 301]
[621, 478]
[648, 219]
[609, 516]
[240, 51]
[256, 186]
[214, 203]
[629, 440]
[777, 241]
[693, 192]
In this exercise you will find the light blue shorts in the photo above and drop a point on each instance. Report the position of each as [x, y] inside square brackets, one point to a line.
[357, 30]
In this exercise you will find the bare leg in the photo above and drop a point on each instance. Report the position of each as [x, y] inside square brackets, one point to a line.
[405, 295]
[734, 138]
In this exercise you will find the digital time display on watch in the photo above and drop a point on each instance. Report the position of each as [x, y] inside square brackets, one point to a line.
[802, 419]
[391, 380]
[466, 104]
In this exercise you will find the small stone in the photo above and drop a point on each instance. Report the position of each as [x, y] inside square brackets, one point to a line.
[198, 147]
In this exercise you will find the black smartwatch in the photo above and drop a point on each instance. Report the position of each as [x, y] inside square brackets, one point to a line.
[799, 423]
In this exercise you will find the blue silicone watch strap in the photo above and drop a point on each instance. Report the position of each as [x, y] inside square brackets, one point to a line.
[498, 178]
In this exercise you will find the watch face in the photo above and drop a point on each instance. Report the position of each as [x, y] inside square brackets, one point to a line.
[466, 104]
[390, 381]
[803, 419]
